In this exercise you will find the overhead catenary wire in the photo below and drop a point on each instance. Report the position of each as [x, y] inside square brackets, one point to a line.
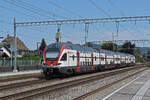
[84, 21]
[25, 8]
[5, 22]
[63, 8]
[117, 23]
[19, 12]
[102, 10]
[31, 8]
[36, 8]
[113, 4]
[99, 8]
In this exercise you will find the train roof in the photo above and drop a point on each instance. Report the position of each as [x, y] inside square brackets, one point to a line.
[84, 48]
[72, 47]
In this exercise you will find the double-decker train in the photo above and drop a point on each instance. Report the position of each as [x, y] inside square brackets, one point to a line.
[66, 59]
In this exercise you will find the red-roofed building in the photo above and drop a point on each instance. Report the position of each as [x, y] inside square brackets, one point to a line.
[8, 43]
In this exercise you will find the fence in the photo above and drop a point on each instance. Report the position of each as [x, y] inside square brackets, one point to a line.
[22, 65]
[9, 63]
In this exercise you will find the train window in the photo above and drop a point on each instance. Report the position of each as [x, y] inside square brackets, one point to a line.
[73, 57]
[102, 58]
[86, 63]
[95, 58]
[64, 57]
[80, 63]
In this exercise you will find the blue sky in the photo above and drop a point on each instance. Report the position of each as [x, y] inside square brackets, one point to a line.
[42, 10]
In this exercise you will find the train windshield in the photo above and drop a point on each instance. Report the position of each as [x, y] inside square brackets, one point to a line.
[52, 55]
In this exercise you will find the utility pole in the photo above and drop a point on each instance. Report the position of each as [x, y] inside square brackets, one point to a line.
[11, 63]
[117, 26]
[113, 39]
[15, 45]
[86, 32]
[38, 47]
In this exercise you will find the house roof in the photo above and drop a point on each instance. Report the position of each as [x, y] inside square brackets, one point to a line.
[1, 45]
[20, 44]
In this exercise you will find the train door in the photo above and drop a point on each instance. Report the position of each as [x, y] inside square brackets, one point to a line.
[68, 58]
[102, 57]
[113, 60]
[71, 58]
[64, 59]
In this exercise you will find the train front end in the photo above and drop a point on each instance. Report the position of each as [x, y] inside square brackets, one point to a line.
[51, 64]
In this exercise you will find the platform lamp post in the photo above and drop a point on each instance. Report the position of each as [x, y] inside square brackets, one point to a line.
[15, 44]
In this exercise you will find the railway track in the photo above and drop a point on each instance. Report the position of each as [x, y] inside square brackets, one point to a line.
[18, 77]
[104, 87]
[29, 94]
[20, 84]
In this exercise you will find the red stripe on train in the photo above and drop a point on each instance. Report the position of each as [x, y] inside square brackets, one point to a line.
[92, 67]
[78, 69]
[61, 50]
[78, 61]
[106, 66]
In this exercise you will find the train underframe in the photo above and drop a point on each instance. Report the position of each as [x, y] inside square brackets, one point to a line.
[55, 71]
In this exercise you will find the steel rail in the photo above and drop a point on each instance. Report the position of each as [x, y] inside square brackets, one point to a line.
[53, 88]
[18, 77]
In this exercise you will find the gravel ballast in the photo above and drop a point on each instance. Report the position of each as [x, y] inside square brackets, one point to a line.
[74, 92]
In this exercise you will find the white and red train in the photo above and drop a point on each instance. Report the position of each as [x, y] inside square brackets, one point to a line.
[64, 58]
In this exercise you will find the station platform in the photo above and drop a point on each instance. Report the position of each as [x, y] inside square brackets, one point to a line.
[137, 89]
[19, 73]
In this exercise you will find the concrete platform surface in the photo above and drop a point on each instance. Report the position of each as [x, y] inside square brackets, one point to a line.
[19, 73]
[137, 89]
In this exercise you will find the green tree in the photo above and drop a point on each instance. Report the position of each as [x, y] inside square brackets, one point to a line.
[109, 46]
[137, 53]
[148, 52]
[138, 56]
[128, 47]
[43, 45]
[148, 55]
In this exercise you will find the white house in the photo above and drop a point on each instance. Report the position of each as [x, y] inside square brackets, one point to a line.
[7, 46]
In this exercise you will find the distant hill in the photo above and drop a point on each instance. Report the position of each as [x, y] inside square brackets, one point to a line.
[143, 50]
